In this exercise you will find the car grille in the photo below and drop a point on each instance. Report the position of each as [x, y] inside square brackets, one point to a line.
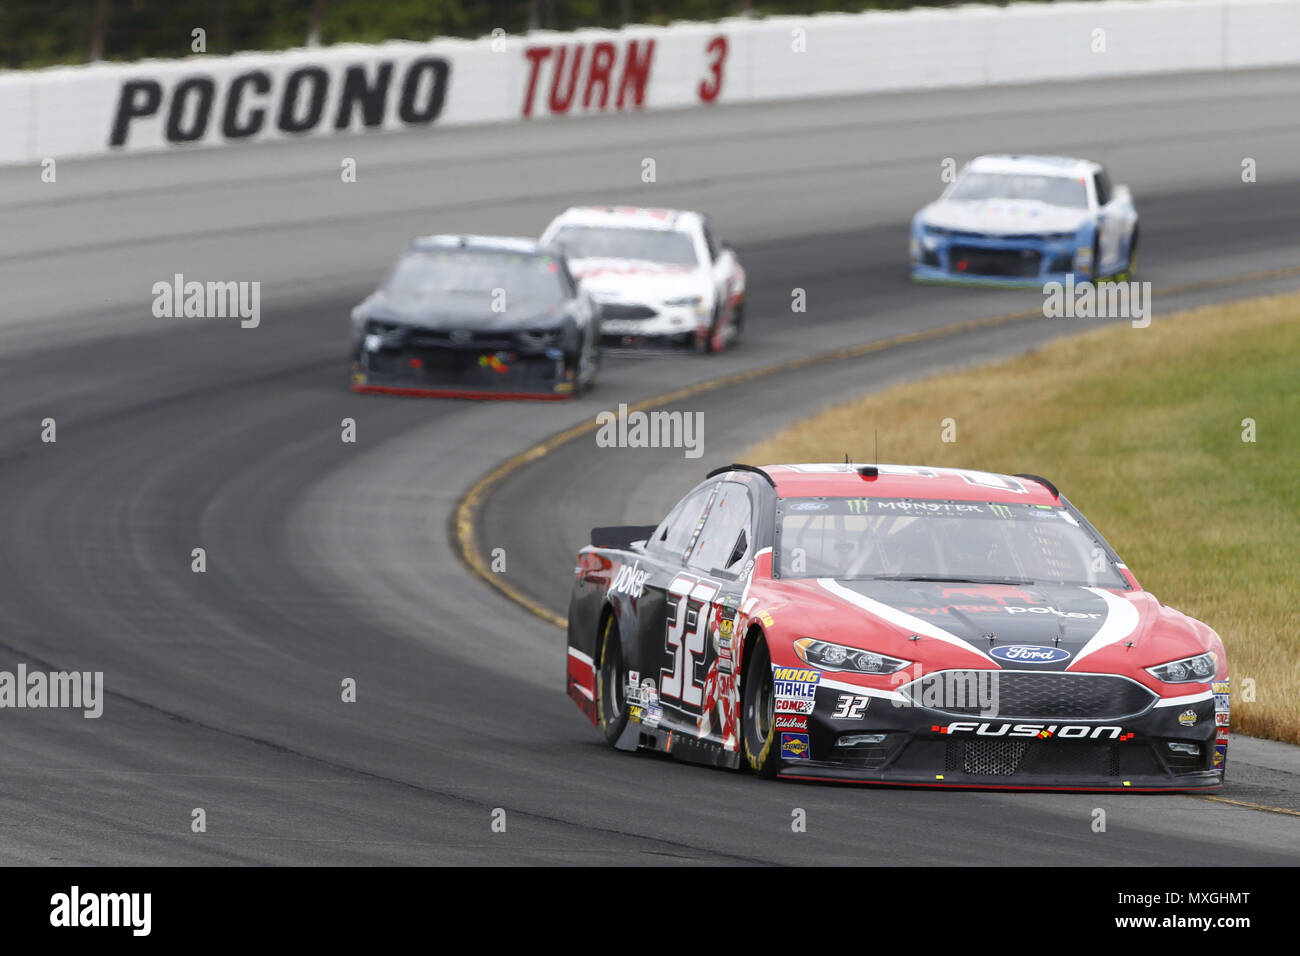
[1008, 758]
[972, 260]
[459, 339]
[1025, 695]
[617, 310]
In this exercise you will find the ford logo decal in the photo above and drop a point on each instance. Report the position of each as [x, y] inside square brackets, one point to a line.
[1030, 654]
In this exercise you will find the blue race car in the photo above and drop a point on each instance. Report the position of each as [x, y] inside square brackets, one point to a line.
[1026, 221]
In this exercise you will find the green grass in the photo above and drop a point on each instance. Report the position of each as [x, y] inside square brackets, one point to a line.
[1141, 428]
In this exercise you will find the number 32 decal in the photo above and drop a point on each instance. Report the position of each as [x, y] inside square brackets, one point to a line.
[850, 707]
[689, 612]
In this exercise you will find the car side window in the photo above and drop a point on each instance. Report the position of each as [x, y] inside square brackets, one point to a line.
[710, 242]
[674, 535]
[725, 539]
[570, 286]
[1102, 183]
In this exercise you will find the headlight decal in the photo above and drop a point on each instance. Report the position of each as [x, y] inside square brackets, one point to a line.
[1199, 669]
[837, 657]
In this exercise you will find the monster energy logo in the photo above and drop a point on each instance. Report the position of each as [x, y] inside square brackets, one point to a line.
[1000, 511]
[857, 506]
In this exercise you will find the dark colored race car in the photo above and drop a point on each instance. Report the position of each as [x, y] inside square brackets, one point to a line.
[893, 625]
[476, 317]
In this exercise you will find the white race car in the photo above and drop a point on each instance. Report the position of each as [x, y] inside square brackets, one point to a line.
[659, 276]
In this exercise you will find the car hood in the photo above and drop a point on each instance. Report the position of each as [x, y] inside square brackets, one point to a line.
[1003, 216]
[441, 315]
[633, 278]
[1032, 627]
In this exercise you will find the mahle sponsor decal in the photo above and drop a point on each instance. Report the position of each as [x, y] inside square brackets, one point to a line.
[1030, 654]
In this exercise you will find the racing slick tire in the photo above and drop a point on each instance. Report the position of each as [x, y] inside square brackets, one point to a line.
[738, 320]
[1133, 254]
[611, 683]
[758, 714]
[712, 343]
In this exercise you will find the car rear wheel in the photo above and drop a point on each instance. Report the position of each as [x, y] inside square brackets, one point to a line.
[611, 684]
[758, 714]
[1133, 253]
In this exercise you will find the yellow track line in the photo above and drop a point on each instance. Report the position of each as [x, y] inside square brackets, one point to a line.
[1247, 804]
[464, 516]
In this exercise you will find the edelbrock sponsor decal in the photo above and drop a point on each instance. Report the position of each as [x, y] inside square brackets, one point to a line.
[1030, 654]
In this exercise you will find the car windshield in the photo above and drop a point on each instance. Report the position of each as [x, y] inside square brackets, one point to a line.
[1054, 190]
[909, 539]
[465, 278]
[649, 245]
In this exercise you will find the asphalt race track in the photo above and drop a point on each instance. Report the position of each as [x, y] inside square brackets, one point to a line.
[328, 560]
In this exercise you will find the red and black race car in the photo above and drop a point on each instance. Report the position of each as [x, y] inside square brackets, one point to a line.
[893, 625]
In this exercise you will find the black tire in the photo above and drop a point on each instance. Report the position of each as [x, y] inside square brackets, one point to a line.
[1096, 260]
[706, 347]
[758, 714]
[611, 684]
[1133, 254]
[738, 320]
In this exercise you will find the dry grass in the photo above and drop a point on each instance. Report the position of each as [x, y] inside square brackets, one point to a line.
[1142, 430]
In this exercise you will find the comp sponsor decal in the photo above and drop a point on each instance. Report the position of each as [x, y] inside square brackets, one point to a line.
[1030, 654]
[787, 706]
[794, 746]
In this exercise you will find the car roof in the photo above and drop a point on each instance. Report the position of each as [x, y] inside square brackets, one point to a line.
[637, 217]
[484, 243]
[1033, 165]
[834, 480]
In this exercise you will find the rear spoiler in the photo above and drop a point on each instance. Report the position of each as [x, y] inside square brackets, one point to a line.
[621, 536]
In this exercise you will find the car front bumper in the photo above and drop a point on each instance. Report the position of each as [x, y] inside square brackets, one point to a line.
[424, 363]
[906, 744]
[996, 261]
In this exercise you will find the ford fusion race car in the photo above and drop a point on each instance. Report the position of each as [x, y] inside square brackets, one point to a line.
[1026, 220]
[893, 625]
[476, 317]
[660, 276]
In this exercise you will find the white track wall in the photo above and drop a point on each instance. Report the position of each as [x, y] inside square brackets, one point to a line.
[215, 100]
